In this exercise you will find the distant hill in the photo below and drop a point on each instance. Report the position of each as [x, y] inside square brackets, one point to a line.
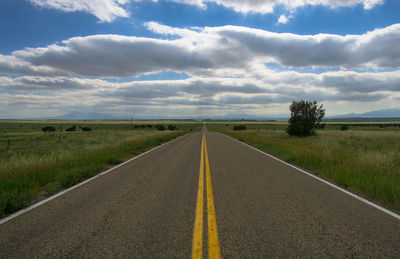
[103, 116]
[379, 115]
[82, 115]
[90, 115]
[388, 113]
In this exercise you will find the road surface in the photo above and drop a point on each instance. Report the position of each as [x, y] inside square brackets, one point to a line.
[246, 205]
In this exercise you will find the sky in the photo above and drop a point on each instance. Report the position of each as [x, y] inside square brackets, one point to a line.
[196, 58]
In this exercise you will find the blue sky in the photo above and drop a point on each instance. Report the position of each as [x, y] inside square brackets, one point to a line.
[196, 58]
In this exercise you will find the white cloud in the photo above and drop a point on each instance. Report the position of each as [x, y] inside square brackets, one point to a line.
[268, 6]
[206, 51]
[13, 65]
[199, 3]
[283, 19]
[114, 56]
[39, 83]
[372, 49]
[104, 10]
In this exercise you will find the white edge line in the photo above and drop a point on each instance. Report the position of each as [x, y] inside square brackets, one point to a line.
[376, 206]
[22, 211]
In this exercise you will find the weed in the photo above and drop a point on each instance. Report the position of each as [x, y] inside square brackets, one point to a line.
[114, 161]
[239, 127]
[344, 127]
[171, 127]
[48, 129]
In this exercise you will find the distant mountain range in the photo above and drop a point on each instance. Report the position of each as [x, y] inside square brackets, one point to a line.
[78, 115]
[374, 115]
[379, 115]
[388, 113]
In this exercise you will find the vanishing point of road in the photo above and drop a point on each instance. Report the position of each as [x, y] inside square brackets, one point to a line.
[202, 195]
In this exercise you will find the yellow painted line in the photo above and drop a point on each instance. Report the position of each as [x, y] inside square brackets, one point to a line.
[197, 245]
[213, 245]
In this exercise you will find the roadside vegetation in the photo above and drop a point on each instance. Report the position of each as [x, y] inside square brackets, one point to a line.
[38, 159]
[304, 119]
[361, 157]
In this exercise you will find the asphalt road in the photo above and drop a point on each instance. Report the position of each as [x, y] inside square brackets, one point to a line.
[146, 209]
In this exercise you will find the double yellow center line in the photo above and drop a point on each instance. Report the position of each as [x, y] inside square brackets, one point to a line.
[197, 246]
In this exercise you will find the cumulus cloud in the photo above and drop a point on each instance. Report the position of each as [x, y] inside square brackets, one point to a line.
[34, 83]
[207, 51]
[115, 56]
[283, 19]
[362, 82]
[104, 10]
[372, 49]
[13, 65]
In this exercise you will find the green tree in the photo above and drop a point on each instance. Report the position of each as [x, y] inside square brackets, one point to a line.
[305, 117]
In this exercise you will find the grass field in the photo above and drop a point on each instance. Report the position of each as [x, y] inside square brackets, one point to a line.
[364, 159]
[36, 164]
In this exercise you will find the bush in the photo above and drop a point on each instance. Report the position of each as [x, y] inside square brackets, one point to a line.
[159, 127]
[114, 161]
[171, 127]
[73, 128]
[344, 127]
[48, 129]
[239, 127]
[86, 129]
[149, 126]
[305, 117]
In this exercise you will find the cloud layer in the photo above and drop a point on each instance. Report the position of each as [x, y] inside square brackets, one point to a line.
[205, 51]
[198, 95]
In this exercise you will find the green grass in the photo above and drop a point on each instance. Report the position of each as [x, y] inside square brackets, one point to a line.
[39, 164]
[365, 160]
